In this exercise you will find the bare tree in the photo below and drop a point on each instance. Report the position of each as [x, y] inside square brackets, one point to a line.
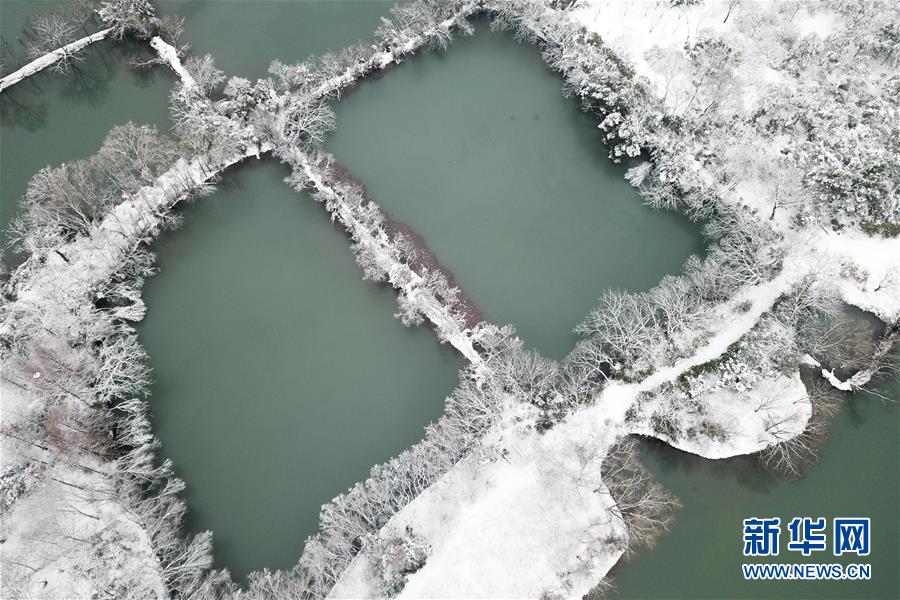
[792, 453]
[53, 370]
[643, 505]
[46, 32]
[623, 324]
[204, 71]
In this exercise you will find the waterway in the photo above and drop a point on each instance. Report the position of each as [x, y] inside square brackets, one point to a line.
[50, 119]
[282, 377]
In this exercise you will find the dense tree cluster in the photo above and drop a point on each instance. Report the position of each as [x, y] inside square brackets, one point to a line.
[605, 84]
[396, 555]
[89, 375]
[88, 371]
[413, 19]
[632, 332]
[136, 17]
[842, 117]
[66, 201]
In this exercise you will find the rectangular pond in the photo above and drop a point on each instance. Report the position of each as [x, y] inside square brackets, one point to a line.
[281, 377]
[478, 151]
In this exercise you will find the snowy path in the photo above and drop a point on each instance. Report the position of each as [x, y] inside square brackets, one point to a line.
[545, 504]
[51, 58]
[169, 54]
[92, 259]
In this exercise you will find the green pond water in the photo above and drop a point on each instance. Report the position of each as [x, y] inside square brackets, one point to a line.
[281, 376]
[49, 119]
[245, 36]
[856, 476]
[508, 183]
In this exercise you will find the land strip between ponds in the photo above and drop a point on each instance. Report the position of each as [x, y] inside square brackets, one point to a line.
[557, 479]
[415, 249]
[383, 259]
[524, 481]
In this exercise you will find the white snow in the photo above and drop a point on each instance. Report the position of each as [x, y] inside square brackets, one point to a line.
[509, 528]
[383, 59]
[47, 533]
[532, 522]
[449, 328]
[169, 54]
[539, 506]
[820, 23]
[39, 64]
[537, 520]
[652, 34]
[868, 270]
[57, 285]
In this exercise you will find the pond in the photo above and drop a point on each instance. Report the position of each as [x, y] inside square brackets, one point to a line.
[855, 477]
[479, 152]
[281, 377]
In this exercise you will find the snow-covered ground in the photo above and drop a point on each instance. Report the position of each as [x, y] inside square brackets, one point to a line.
[66, 530]
[57, 512]
[539, 520]
[653, 37]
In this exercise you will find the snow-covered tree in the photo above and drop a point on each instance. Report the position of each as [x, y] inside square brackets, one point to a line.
[136, 17]
[394, 555]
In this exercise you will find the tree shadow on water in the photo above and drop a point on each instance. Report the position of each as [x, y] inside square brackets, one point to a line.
[668, 462]
[87, 82]
[16, 110]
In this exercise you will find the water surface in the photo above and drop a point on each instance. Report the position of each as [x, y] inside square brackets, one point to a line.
[281, 376]
[855, 477]
[245, 36]
[508, 183]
